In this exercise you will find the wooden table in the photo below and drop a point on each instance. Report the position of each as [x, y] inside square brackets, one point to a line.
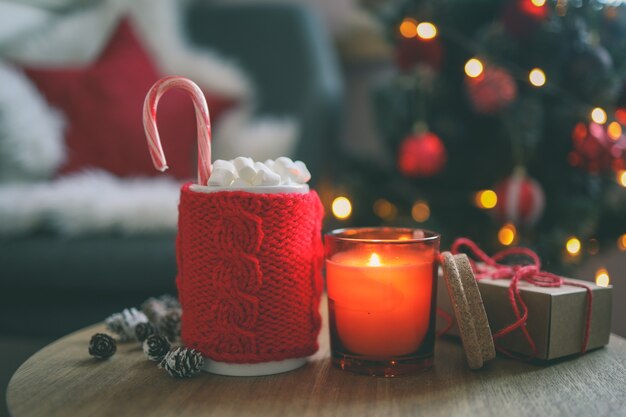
[62, 380]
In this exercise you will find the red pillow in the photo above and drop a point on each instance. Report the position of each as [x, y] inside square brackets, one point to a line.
[102, 103]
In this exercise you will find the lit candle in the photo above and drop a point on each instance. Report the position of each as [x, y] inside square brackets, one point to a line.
[380, 293]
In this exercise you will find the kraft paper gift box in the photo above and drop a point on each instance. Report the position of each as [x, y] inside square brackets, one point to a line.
[556, 316]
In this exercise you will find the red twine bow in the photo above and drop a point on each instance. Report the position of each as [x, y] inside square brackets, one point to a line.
[531, 273]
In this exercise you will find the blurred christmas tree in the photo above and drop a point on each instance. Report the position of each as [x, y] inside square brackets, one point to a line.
[505, 120]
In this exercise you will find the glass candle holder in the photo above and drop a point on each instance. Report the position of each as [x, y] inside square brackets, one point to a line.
[381, 286]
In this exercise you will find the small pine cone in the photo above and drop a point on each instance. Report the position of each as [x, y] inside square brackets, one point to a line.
[182, 362]
[156, 347]
[143, 330]
[102, 346]
[123, 324]
[170, 301]
[169, 325]
[154, 309]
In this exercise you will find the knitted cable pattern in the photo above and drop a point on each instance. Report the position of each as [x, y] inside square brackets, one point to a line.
[249, 274]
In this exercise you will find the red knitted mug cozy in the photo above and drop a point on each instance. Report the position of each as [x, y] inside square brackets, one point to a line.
[249, 274]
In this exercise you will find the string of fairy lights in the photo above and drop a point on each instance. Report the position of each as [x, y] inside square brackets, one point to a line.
[487, 199]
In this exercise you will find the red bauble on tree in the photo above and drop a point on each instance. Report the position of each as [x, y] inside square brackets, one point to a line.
[591, 148]
[520, 199]
[492, 91]
[411, 52]
[521, 17]
[422, 155]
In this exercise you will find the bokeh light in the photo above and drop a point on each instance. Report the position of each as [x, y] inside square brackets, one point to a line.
[621, 242]
[507, 234]
[620, 115]
[341, 207]
[614, 130]
[537, 77]
[538, 3]
[385, 209]
[408, 28]
[473, 68]
[426, 31]
[621, 177]
[573, 245]
[486, 199]
[602, 277]
[420, 211]
[598, 115]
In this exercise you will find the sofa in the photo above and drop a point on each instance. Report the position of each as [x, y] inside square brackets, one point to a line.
[51, 285]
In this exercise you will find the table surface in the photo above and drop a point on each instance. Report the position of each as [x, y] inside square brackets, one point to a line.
[63, 380]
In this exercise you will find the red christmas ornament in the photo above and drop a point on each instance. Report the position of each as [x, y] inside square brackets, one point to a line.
[520, 199]
[521, 17]
[422, 155]
[491, 91]
[592, 149]
[413, 51]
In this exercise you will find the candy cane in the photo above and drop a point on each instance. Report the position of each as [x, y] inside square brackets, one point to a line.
[203, 123]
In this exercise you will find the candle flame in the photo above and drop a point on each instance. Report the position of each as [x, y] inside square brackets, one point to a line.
[374, 260]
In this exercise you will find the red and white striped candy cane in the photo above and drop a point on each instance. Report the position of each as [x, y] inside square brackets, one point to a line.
[203, 123]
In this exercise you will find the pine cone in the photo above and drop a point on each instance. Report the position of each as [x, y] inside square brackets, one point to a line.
[156, 308]
[123, 324]
[102, 346]
[169, 325]
[156, 347]
[182, 362]
[143, 330]
[170, 301]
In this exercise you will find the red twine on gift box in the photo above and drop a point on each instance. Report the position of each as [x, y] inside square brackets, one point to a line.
[531, 273]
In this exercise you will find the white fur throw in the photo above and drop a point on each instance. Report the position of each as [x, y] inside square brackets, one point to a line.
[90, 202]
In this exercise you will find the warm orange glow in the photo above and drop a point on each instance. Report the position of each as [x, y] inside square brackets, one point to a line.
[537, 77]
[426, 31]
[614, 130]
[602, 277]
[507, 234]
[420, 211]
[598, 115]
[374, 260]
[573, 245]
[342, 208]
[621, 177]
[408, 28]
[486, 199]
[473, 68]
[385, 209]
[621, 242]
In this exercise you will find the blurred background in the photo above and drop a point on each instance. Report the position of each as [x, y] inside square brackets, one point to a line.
[498, 120]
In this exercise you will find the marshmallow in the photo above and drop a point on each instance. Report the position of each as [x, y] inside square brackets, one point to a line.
[265, 176]
[227, 165]
[247, 173]
[221, 176]
[243, 172]
[287, 170]
[304, 175]
[245, 168]
[240, 183]
[242, 161]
